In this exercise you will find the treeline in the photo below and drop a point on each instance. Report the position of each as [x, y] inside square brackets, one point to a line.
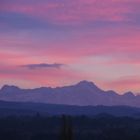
[69, 128]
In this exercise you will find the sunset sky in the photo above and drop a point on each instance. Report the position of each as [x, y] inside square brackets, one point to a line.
[61, 42]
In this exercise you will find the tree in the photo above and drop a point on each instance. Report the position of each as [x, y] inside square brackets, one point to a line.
[66, 131]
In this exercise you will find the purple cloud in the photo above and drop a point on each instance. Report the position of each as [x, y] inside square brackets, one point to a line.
[43, 65]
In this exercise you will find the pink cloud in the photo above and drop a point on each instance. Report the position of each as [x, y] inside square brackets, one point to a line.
[124, 84]
[76, 11]
[39, 77]
[122, 47]
[121, 44]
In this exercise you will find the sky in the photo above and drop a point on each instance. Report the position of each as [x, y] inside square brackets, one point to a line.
[61, 42]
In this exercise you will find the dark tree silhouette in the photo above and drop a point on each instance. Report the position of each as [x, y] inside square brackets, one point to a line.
[66, 131]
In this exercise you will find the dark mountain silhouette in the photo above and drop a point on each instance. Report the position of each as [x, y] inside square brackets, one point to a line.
[27, 108]
[84, 93]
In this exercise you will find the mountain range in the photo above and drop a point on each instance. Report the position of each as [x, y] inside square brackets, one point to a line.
[33, 109]
[82, 94]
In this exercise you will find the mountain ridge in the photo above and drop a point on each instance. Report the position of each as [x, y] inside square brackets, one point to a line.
[82, 93]
[29, 108]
